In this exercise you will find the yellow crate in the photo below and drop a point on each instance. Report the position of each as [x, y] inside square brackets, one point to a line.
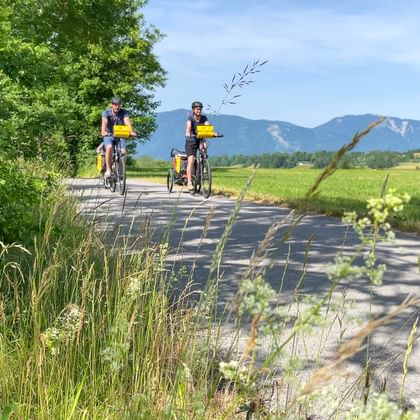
[121, 131]
[204, 131]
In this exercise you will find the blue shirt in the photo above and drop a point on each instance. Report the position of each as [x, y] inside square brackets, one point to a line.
[114, 119]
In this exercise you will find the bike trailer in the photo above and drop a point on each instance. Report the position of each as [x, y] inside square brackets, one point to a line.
[179, 160]
[204, 131]
[121, 131]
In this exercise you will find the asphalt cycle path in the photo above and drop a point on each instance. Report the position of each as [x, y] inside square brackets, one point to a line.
[194, 227]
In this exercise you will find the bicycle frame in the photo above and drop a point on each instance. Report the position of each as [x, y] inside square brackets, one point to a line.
[118, 175]
[202, 172]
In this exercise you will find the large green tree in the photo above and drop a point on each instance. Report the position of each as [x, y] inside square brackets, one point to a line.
[61, 62]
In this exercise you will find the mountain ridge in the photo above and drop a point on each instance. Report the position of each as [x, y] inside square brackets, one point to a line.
[251, 137]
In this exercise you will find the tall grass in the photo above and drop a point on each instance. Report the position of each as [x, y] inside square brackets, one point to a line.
[90, 329]
[87, 330]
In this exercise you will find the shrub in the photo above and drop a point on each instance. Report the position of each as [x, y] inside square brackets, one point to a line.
[22, 188]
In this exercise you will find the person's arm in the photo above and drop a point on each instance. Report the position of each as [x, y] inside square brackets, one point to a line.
[188, 129]
[128, 122]
[104, 128]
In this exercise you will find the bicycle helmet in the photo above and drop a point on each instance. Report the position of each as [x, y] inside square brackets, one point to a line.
[196, 104]
[116, 100]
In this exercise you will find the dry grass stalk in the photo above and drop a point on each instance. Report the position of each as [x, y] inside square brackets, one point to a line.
[239, 80]
[252, 338]
[353, 346]
[411, 339]
[263, 248]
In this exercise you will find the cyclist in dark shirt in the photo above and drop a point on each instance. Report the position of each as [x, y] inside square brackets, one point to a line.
[110, 117]
[191, 141]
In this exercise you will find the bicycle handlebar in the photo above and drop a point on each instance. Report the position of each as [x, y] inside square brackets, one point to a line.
[111, 135]
[194, 137]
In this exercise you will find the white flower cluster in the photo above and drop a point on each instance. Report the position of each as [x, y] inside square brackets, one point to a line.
[234, 371]
[114, 355]
[255, 297]
[134, 286]
[64, 329]
[371, 230]
[380, 208]
[378, 407]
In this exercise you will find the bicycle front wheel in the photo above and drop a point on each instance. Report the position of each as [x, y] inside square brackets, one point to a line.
[121, 175]
[205, 178]
[170, 180]
[112, 180]
[197, 177]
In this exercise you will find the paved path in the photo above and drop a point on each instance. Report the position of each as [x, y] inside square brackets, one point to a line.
[148, 210]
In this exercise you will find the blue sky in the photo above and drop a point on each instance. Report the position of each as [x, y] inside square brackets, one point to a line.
[326, 58]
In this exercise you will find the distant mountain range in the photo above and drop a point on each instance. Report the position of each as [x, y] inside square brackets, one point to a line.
[252, 137]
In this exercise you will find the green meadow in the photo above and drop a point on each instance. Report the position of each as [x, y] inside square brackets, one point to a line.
[346, 190]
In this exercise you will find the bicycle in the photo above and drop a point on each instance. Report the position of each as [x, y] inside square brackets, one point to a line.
[201, 176]
[118, 177]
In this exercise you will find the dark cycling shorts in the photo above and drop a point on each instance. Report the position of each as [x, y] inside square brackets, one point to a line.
[191, 147]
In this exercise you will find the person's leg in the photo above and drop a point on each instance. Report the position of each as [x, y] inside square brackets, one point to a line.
[190, 161]
[108, 154]
[190, 149]
[123, 145]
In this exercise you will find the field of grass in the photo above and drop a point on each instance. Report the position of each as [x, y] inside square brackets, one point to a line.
[346, 190]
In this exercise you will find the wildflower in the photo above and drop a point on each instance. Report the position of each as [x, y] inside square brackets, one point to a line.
[256, 296]
[233, 371]
[64, 329]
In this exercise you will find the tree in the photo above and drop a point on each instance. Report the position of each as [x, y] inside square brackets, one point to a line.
[382, 159]
[321, 159]
[63, 61]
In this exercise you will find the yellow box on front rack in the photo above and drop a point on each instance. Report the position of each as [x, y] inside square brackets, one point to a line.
[204, 131]
[121, 131]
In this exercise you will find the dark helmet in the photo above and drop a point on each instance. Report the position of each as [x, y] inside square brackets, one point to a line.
[116, 100]
[196, 104]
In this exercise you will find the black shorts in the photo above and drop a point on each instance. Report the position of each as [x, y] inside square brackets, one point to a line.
[191, 147]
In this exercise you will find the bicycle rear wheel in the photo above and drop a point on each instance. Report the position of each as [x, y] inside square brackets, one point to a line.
[170, 180]
[205, 178]
[121, 175]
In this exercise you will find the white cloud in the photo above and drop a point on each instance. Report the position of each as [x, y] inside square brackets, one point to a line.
[325, 58]
[203, 30]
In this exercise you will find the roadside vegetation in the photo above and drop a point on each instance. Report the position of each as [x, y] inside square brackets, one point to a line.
[90, 329]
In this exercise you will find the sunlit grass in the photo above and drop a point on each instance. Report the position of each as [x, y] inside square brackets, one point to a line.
[346, 190]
